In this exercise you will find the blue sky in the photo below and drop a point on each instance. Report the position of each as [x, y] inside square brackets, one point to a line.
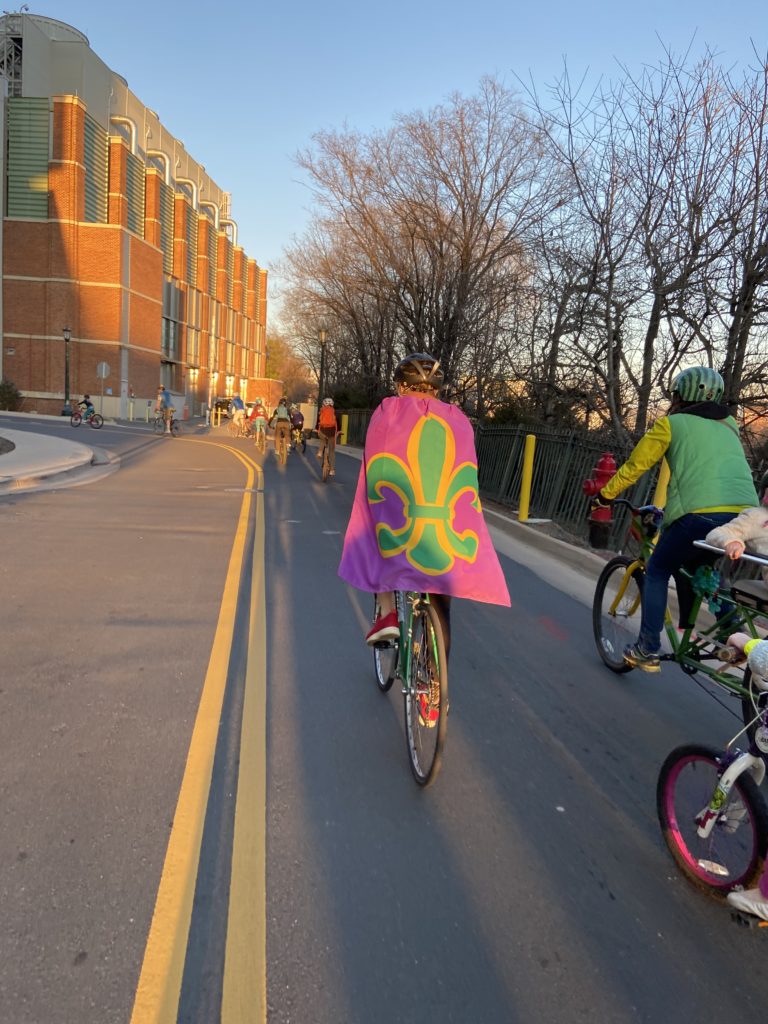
[246, 85]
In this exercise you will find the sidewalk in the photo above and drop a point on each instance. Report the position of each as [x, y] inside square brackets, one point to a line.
[37, 460]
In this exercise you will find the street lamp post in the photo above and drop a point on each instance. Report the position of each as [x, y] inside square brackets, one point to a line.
[67, 410]
[322, 334]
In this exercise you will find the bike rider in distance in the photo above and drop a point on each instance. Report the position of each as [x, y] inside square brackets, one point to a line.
[710, 483]
[281, 419]
[237, 407]
[164, 408]
[416, 522]
[87, 406]
[327, 429]
[297, 424]
[258, 418]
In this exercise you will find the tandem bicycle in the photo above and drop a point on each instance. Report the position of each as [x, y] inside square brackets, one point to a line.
[699, 647]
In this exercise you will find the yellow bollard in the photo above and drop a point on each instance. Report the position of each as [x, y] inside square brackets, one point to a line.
[660, 494]
[525, 485]
[344, 428]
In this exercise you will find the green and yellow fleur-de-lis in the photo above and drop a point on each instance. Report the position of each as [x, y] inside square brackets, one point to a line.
[429, 485]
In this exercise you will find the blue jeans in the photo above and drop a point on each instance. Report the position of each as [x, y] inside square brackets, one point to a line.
[673, 551]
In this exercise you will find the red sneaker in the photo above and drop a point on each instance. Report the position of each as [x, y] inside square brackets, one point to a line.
[384, 628]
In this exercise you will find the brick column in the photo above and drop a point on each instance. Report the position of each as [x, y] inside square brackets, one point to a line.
[152, 206]
[118, 182]
[66, 170]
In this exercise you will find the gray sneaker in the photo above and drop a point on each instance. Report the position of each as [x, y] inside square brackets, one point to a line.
[751, 901]
[635, 656]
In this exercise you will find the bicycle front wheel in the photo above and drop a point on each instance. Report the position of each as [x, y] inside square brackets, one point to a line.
[159, 425]
[734, 852]
[426, 696]
[75, 419]
[385, 654]
[616, 609]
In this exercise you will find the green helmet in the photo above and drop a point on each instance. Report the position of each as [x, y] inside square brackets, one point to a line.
[699, 384]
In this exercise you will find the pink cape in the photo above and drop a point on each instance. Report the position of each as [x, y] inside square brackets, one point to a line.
[416, 521]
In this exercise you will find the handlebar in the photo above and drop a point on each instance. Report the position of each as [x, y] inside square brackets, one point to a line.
[720, 551]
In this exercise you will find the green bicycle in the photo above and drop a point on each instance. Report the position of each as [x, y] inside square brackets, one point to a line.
[417, 657]
[699, 647]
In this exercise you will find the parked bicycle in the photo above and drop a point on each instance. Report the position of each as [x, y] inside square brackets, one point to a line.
[700, 647]
[418, 659]
[92, 418]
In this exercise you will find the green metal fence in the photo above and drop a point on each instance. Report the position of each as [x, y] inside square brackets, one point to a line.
[562, 461]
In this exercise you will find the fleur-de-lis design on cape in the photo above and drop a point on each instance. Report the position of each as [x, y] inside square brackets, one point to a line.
[429, 485]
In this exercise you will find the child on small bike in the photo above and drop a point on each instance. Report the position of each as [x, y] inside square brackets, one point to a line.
[753, 901]
[87, 406]
[258, 419]
[748, 529]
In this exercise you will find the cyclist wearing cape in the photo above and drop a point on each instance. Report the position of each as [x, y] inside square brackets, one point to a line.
[416, 521]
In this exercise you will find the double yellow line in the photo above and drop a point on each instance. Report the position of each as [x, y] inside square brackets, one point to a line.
[244, 991]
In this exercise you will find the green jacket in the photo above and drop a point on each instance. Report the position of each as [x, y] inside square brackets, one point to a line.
[708, 469]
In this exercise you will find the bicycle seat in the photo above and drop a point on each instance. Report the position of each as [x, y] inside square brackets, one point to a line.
[753, 593]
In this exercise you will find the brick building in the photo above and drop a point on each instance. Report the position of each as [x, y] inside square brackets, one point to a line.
[113, 230]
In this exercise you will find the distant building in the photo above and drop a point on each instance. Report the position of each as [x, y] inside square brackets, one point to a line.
[113, 230]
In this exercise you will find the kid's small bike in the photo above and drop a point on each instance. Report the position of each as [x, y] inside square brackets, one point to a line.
[92, 418]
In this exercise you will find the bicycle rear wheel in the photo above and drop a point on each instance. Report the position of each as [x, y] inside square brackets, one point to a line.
[326, 464]
[426, 696]
[616, 609]
[385, 654]
[734, 852]
[97, 421]
[175, 428]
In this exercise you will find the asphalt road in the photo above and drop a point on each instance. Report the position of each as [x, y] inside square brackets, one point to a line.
[529, 884]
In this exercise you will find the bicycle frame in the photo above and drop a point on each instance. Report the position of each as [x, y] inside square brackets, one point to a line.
[408, 602]
[736, 764]
[687, 651]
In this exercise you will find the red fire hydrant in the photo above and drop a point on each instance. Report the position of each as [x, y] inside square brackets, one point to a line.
[600, 518]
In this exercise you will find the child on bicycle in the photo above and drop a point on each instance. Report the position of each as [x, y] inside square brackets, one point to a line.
[258, 419]
[281, 419]
[87, 406]
[753, 901]
[297, 425]
[710, 483]
[416, 522]
[748, 529]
